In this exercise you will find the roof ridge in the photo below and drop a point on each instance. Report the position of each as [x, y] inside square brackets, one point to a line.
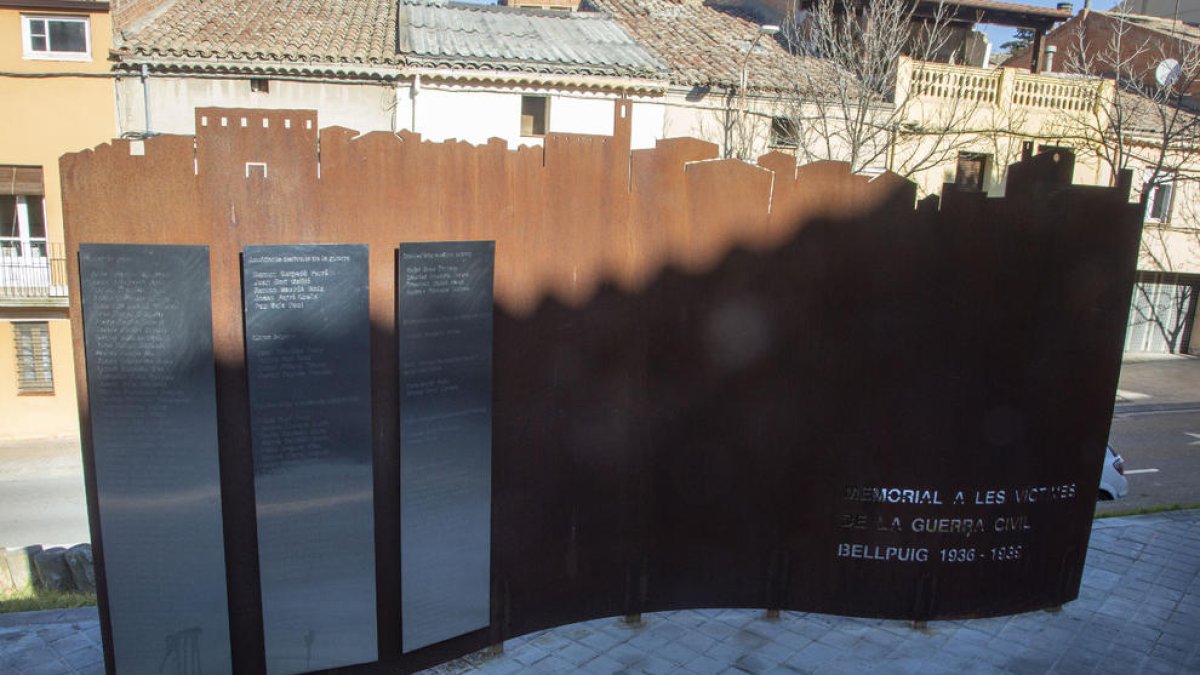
[504, 9]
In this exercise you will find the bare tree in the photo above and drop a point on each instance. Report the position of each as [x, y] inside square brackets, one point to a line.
[860, 108]
[1149, 124]
[1150, 128]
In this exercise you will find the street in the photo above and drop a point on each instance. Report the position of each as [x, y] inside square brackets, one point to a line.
[41, 493]
[1162, 461]
[1156, 429]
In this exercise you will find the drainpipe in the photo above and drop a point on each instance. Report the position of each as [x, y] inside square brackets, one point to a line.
[146, 96]
[415, 89]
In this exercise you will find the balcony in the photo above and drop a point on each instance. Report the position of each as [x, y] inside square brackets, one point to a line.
[36, 279]
[1007, 89]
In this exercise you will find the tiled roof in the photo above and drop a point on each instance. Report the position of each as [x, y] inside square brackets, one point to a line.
[280, 31]
[1167, 27]
[437, 33]
[705, 45]
[1017, 8]
[366, 35]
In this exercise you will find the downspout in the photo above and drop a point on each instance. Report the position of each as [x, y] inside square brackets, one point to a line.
[412, 97]
[146, 96]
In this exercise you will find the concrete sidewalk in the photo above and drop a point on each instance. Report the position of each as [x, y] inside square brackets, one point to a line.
[1158, 381]
[1138, 612]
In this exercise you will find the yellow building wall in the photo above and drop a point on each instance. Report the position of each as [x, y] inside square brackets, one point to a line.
[42, 119]
[38, 415]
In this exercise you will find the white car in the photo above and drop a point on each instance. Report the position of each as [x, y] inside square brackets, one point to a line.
[1112, 479]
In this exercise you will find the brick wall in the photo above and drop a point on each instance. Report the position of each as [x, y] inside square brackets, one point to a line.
[1099, 28]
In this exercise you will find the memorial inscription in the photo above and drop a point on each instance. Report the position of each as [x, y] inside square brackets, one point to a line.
[944, 526]
[308, 357]
[444, 293]
[147, 325]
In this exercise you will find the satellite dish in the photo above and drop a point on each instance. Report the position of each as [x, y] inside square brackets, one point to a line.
[1167, 73]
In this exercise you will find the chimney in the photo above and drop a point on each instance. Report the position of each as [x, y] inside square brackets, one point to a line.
[1066, 6]
[1049, 63]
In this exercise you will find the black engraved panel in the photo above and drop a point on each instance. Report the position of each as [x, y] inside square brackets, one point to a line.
[444, 292]
[308, 356]
[147, 323]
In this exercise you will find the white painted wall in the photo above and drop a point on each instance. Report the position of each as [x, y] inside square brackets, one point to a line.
[581, 115]
[437, 113]
[649, 124]
[173, 101]
[475, 117]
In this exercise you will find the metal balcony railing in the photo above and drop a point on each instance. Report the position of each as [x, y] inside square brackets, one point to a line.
[33, 271]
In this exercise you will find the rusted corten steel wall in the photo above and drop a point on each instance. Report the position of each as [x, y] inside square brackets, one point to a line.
[716, 384]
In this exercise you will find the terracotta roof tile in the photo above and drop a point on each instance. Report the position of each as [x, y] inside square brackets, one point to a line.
[349, 35]
[293, 31]
[705, 45]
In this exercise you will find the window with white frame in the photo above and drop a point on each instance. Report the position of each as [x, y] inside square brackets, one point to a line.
[35, 374]
[1159, 196]
[57, 38]
[22, 227]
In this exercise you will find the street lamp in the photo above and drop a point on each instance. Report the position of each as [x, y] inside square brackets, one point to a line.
[765, 29]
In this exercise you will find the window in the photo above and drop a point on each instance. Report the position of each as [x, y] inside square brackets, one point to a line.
[1042, 149]
[784, 133]
[260, 85]
[1158, 199]
[972, 171]
[34, 374]
[534, 113]
[22, 227]
[56, 37]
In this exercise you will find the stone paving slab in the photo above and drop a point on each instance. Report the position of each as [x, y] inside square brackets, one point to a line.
[1155, 628]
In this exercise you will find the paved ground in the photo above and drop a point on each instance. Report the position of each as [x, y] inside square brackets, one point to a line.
[1157, 379]
[1138, 612]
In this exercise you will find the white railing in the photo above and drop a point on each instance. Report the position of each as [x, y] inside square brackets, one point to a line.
[1005, 88]
[36, 275]
[1055, 93]
[955, 82]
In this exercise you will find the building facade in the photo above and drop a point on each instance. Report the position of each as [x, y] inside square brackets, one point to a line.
[59, 99]
[444, 70]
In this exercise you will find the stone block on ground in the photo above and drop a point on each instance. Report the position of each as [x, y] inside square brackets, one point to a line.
[20, 567]
[53, 574]
[6, 582]
[79, 560]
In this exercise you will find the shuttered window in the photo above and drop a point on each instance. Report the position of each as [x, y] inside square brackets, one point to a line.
[21, 180]
[34, 374]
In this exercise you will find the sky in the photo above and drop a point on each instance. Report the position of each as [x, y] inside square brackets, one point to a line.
[998, 35]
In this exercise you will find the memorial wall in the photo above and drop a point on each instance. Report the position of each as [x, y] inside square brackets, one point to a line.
[382, 405]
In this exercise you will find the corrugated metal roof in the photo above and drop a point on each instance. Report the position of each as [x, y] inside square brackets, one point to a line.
[437, 33]
[362, 36]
